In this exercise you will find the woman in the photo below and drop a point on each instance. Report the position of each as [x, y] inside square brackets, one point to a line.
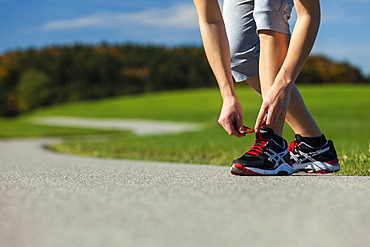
[251, 41]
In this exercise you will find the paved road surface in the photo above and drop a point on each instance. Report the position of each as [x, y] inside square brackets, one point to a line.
[50, 199]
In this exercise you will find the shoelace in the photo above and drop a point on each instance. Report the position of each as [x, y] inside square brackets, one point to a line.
[259, 144]
[257, 149]
[292, 146]
[250, 130]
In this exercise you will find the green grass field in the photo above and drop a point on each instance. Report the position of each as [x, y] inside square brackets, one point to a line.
[341, 111]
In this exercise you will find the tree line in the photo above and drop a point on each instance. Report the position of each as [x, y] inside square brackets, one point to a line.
[33, 78]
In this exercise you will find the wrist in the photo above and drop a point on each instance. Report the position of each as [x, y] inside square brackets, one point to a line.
[284, 80]
[230, 99]
[228, 92]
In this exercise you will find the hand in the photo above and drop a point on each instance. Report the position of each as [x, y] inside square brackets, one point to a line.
[231, 117]
[274, 106]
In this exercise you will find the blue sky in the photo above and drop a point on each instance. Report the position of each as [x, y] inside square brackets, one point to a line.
[344, 33]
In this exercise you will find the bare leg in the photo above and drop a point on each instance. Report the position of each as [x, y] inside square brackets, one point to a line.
[274, 47]
[299, 118]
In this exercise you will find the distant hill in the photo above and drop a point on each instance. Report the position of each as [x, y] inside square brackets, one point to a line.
[33, 78]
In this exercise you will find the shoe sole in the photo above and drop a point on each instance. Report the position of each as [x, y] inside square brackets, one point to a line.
[317, 167]
[282, 170]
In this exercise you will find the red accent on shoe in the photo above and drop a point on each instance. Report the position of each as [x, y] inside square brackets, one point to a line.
[332, 162]
[240, 167]
[243, 170]
[292, 146]
[320, 172]
[249, 172]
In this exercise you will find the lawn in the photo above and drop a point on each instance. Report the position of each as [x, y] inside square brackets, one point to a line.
[341, 111]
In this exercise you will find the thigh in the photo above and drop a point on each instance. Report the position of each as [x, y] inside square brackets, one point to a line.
[273, 15]
[243, 38]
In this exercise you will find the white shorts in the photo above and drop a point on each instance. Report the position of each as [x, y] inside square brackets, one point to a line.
[243, 19]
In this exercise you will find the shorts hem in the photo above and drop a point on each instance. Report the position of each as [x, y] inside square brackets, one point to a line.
[245, 70]
[270, 20]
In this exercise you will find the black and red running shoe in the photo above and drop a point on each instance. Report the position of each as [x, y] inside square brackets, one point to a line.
[266, 157]
[311, 159]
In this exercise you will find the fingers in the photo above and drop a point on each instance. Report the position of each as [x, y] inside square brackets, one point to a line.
[239, 126]
[275, 114]
[233, 128]
[261, 117]
[243, 130]
[268, 116]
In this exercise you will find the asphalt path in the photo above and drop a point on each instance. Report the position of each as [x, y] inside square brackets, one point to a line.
[50, 199]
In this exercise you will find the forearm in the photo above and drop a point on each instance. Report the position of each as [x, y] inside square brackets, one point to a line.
[216, 44]
[302, 40]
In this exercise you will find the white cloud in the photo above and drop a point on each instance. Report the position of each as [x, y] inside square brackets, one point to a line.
[180, 16]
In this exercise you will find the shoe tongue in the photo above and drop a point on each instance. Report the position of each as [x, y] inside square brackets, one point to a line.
[266, 133]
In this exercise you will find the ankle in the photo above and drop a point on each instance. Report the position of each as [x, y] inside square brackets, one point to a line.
[277, 128]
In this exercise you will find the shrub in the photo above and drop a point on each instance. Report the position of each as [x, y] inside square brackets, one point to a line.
[34, 90]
